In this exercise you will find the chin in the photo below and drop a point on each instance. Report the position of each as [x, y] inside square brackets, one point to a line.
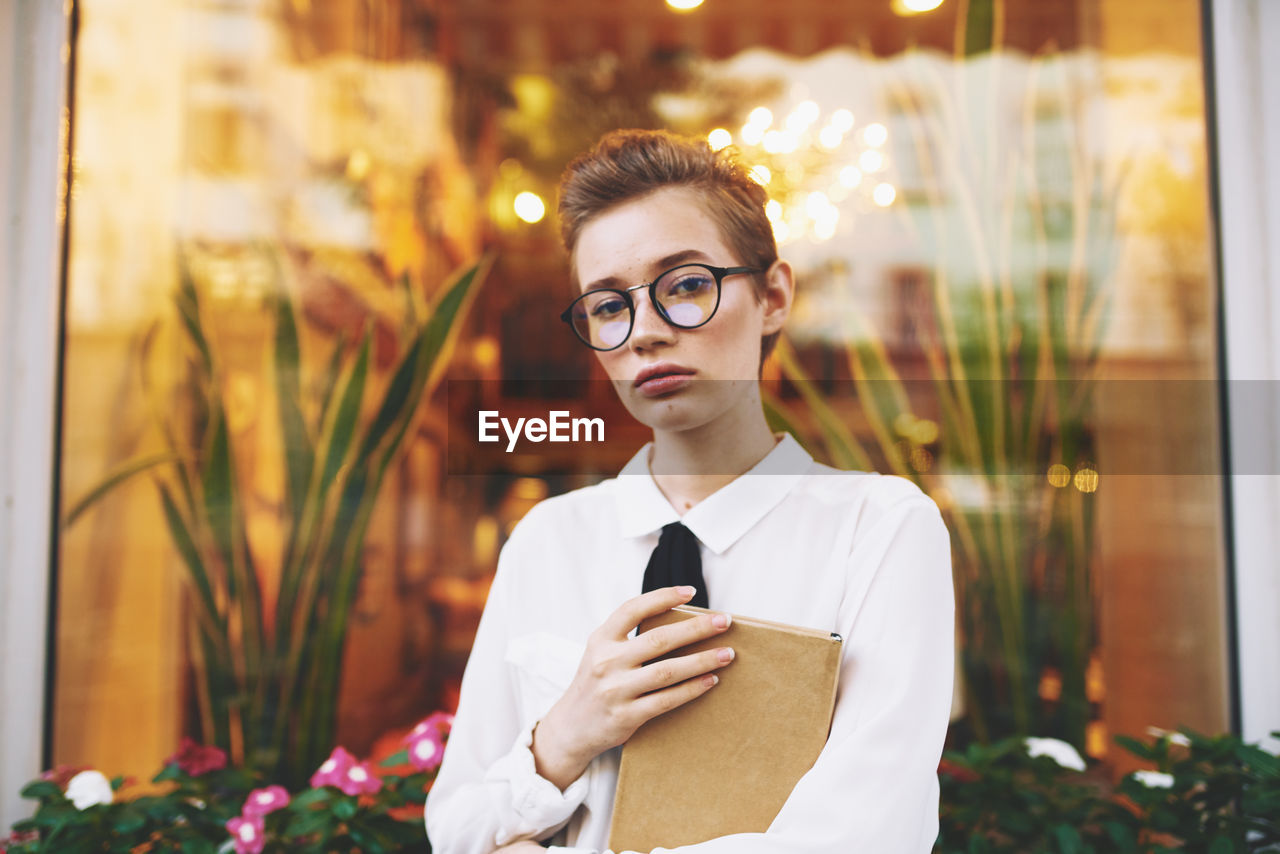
[687, 409]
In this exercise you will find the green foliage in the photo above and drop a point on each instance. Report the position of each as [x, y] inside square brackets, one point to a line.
[191, 817]
[1221, 796]
[267, 685]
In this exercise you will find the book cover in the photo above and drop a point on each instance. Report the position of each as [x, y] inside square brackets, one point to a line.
[726, 762]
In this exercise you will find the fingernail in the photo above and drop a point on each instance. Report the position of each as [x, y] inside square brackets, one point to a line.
[720, 621]
[686, 591]
[725, 655]
[710, 680]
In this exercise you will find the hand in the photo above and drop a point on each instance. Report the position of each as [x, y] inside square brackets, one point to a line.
[614, 691]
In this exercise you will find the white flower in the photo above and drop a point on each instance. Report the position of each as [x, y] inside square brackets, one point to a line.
[1174, 737]
[89, 788]
[1154, 779]
[1059, 751]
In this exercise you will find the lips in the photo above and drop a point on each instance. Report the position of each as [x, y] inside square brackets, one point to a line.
[662, 378]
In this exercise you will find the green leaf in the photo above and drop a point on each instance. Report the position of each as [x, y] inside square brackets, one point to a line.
[169, 772]
[1137, 748]
[187, 301]
[310, 823]
[1222, 845]
[180, 534]
[1122, 836]
[310, 798]
[398, 758]
[345, 808]
[218, 482]
[41, 789]
[128, 820]
[121, 474]
[1068, 839]
[342, 427]
[407, 375]
[298, 451]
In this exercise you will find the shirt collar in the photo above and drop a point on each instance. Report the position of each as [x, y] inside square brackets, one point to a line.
[719, 520]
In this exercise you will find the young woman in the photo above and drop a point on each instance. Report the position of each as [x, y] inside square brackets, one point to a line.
[681, 295]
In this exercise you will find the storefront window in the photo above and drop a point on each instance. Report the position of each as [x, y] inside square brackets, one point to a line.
[1000, 227]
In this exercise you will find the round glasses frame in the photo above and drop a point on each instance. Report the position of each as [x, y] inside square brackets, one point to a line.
[717, 273]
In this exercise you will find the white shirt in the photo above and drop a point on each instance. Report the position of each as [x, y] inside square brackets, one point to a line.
[863, 555]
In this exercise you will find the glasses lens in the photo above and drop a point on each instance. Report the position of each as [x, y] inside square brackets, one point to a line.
[602, 318]
[688, 295]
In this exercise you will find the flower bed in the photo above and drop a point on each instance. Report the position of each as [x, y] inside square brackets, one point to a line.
[1206, 794]
[210, 808]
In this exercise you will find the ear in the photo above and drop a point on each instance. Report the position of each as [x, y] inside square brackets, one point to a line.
[777, 295]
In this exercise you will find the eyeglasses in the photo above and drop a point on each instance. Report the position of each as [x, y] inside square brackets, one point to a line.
[686, 297]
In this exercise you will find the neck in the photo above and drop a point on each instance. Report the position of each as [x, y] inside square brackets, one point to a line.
[690, 465]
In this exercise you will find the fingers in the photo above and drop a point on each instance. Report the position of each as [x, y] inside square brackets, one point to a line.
[631, 612]
[651, 705]
[669, 671]
[663, 639]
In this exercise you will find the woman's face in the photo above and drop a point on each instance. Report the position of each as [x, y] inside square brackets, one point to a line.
[670, 378]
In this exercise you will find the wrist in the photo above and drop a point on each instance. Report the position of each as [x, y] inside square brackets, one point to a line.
[552, 759]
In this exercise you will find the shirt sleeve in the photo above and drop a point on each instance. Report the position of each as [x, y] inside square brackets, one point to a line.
[488, 792]
[874, 788]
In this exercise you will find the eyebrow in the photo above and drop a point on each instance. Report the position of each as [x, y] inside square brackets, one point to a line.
[663, 264]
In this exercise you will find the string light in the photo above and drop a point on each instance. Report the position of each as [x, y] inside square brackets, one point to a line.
[850, 176]
[529, 207]
[761, 117]
[719, 138]
[884, 194]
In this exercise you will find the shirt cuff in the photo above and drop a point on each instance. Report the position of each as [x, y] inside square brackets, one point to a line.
[539, 804]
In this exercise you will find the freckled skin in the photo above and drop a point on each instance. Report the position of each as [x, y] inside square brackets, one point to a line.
[628, 242]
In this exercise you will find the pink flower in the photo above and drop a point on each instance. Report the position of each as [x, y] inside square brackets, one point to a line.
[263, 801]
[334, 770]
[247, 834]
[426, 749]
[441, 722]
[360, 780]
[62, 775]
[196, 759]
[342, 770]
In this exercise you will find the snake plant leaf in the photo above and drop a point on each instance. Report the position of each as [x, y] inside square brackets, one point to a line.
[332, 373]
[417, 372]
[118, 476]
[180, 533]
[188, 303]
[407, 374]
[442, 329]
[298, 451]
[337, 445]
[217, 479]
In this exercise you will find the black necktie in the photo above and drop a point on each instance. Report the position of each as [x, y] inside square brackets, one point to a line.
[676, 561]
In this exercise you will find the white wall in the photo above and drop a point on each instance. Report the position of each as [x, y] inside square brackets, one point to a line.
[32, 92]
[1247, 87]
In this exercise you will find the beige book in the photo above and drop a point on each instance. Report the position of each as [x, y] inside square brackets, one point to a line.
[726, 762]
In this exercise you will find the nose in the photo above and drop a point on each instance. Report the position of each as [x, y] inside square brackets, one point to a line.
[649, 328]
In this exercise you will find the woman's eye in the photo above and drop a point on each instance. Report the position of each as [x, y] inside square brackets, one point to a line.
[689, 285]
[608, 308]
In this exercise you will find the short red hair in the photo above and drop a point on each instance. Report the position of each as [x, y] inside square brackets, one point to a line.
[629, 164]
